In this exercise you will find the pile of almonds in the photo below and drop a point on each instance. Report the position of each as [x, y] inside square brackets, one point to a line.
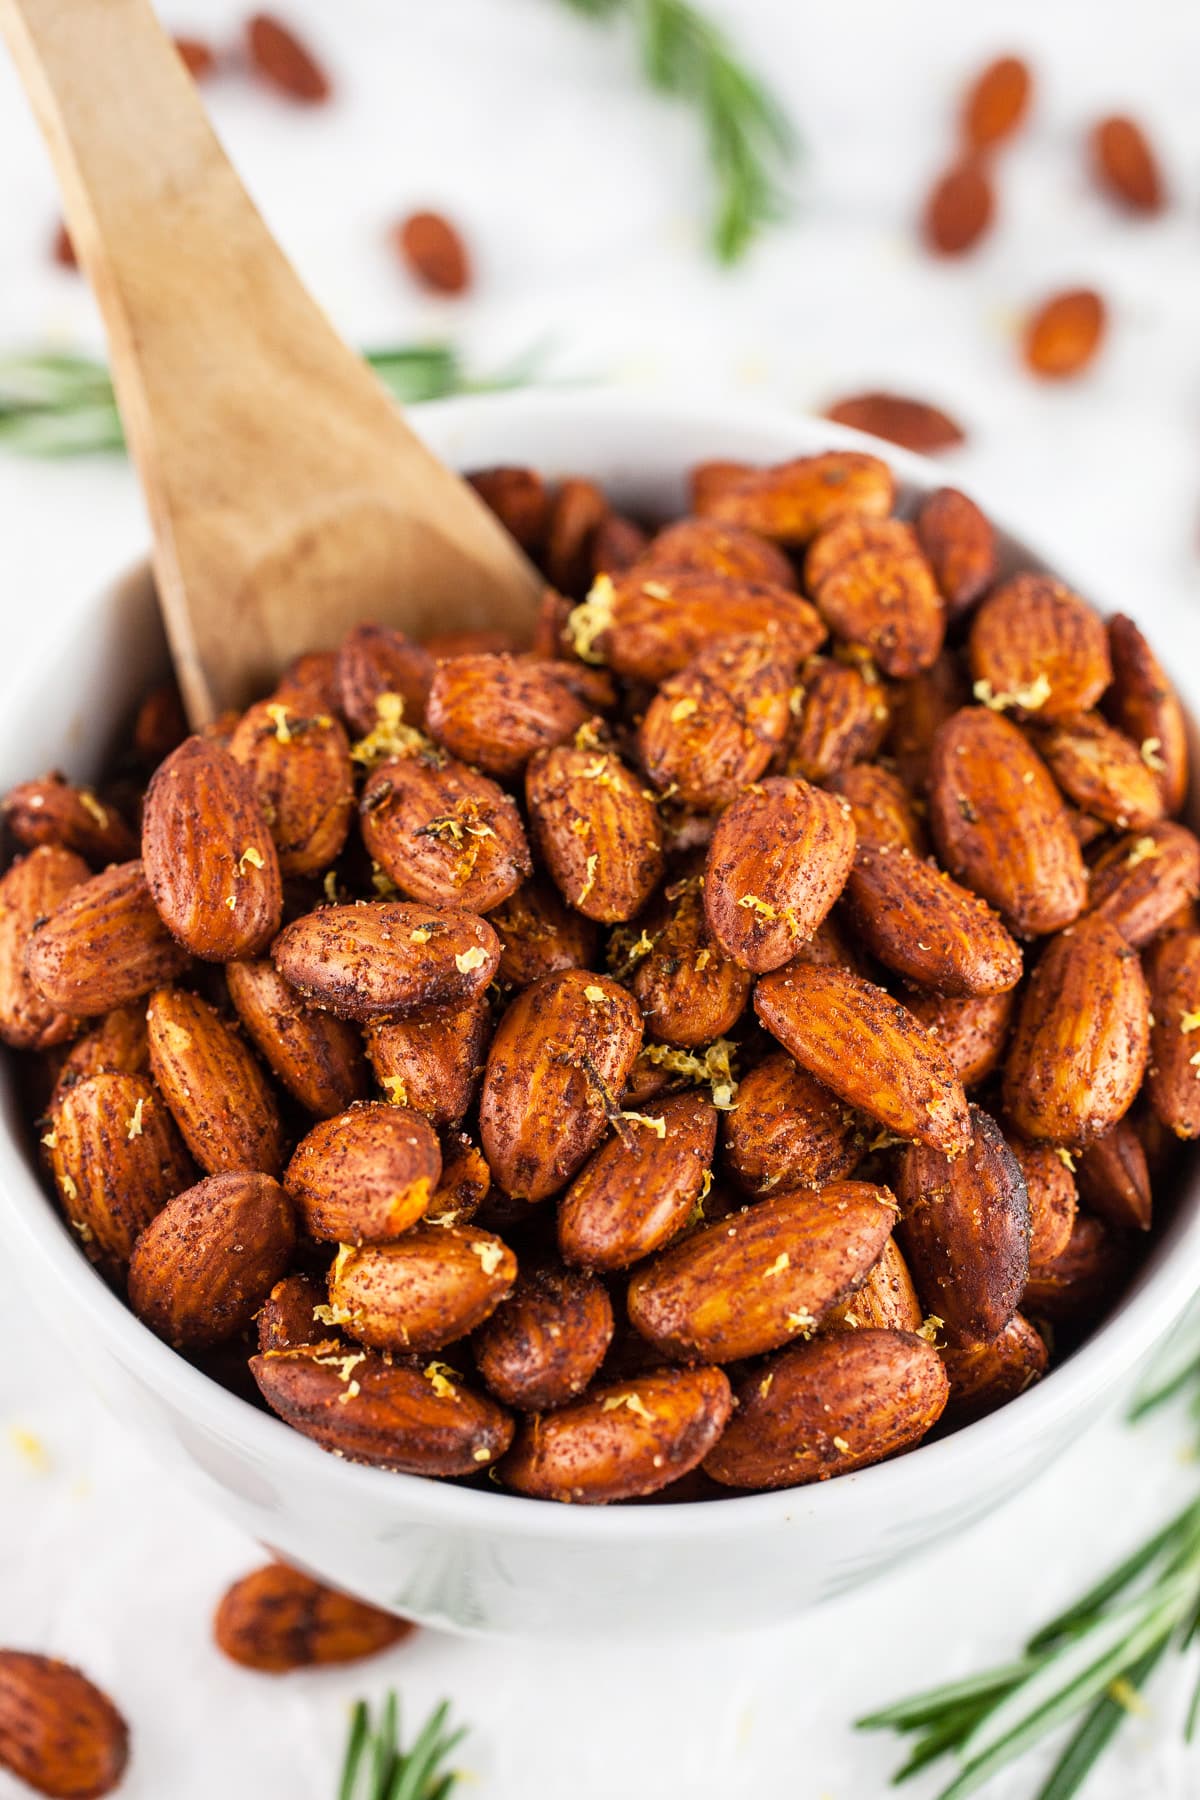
[701, 1052]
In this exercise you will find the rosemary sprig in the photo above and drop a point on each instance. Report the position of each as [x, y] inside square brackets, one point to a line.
[750, 138]
[60, 404]
[376, 1767]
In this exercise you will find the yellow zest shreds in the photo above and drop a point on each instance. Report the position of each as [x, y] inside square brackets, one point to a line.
[840, 1444]
[802, 1321]
[796, 702]
[764, 1386]
[1029, 698]
[590, 882]
[462, 822]
[480, 1455]
[490, 1255]
[1189, 1022]
[683, 709]
[706, 1185]
[714, 1068]
[81, 1227]
[177, 1038]
[330, 885]
[782, 1261]
[657, 1126]
[588, 736]
[438, 1375]
[278, 715]
[657, 590]
[885, 1140]
[395, 1089]
[466, 960]
[389, 736]
[1143, 851]
[326, 1315]
[231, 901]
[580, 827]
[1126, 1695]
[93, 808]
[29, 1448]
[1150, 748]
[633, 1401]
[703, 958]
[625, 951]
[252, 856]
[590, 620]
[929, 1329]
[420, 936]
[345, 1364]
[764, 909]
[382, 882]
[1065, 1158]
[594, 994]
[50, 1139]
[135, 1122]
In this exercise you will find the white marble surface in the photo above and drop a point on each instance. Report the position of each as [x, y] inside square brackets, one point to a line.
[581, 199]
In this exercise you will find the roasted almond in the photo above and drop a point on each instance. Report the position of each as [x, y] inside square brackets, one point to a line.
[1038, 650]
[790, 502]
[284, 61]
[639, 1189]
[117, 1045]
[1102, 772]
[1142, 703]
[887, 1299]
[997, 102]
[278, 1619]
[648, 626]
[960, 546]
[1142, 880]
[918, 921]
[546, 1340]
[790, 1131]
[32, 889]
[971, 1029]
[208, 1260]
[309, 683]
[58, 1732]
[558, 1063]
[754, 1281]
[715, 726]
[431, 1287]
[1173, 1084]
[918, 708]
[374, 661]
[434, 252]
[432, 1060]
[51, 811]
[914, 424]
[520, 500]
[689, 991]
[778, 860]
[728, 550]
[218, 1094]
[1079, 1050]
[444, 834]
[868, 1049]
[366, 1176]
[597, 830]
[292, 1314]
[300, 765]
[882, 808]
[824, 1408]
[986, 1376]
[959, 208]
[1079, 1285]
[621, 1441]
[1049, 1173]
[1124, 165]
[1114, 1176]
[495, 711]
[839, 717]
[1064, 334]
[117, 1159]
[464, 1184]
[577, 512]
[103, 944]
[372, 961]
[540, 934]
[876, 592]
[319, 1059]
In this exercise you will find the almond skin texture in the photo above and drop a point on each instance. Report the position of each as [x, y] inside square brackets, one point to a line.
[918, 921]
[997, 102]
[965, 1231]
[1000, 824]
[1102, 772]
[541, 935]
[465, 1182]
[366, 1176]
[278, 1619]
[1041, 649]
[368, 962]
[839, 718]
[875, 591]
[639, 1189]
[373, 660]
[901, 420]
[728, 550]
[1174, 1079]
[288, 1317]
[918, 709]
[1143, 704]
[778, 860]
[431, 1287]
[986, 1376]
[103, 945]
[689, 991]
[318, 1059]
[649, 626]
[117, 1159]
[558, 1064]
[868, 1049]
[496, 711]
[750, 1283]
[209, 858]
[51, 811]
[369, 1409]
[597, 832]
[117, 1045]
[1124, 165]
[886, 1300]
[432, 1060]
[205, 1264]
[300, 765]
[309, 683]
[622, 1441]
[882, 807]
[1053, 1199]
[789, 1131]
[1064, 334]
[1078, 1287]
[972, 1030]
[959, 208]
[33, 888]
[714, 727]
[1114, 1177]
[446, 835]
[577, 512]
[824, 1408]
[222, 1101]
[790, 502]
[543, 1344]
[58, 1732]
[1080, 1046]
[519, 499]
[960, 545]
[1140, 882]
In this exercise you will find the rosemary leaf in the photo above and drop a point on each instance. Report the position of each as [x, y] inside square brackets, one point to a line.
[377, 1767]
[1096, 1732]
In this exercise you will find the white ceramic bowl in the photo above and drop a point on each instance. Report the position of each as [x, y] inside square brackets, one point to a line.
[489, 1561]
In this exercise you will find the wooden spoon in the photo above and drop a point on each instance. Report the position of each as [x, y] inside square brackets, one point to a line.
[287, 495]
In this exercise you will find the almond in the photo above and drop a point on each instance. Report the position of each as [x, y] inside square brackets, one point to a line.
[277, 1619]
[1114, 1177]
[31, 890]
[496, 711]
[309, 683]
[209, 858]
[429, 1288]
[618, 543]
[823, 1408]
[1064, 334]
[960, 546]
[1000, 825]
[434, 252]
[596, 829]
[972, 1030]
[1077, 1288]
[291, 1314]
[540, 935]
[445, 835]
[432, 1060]
[1053, 1199]
[986, 1376]
[997, 102]
[789, 1131]
[965, 1230]
[374, 661]
[648, 626]
[221, 1100]
[558, 1062]
[886, 1301]
[372, 961]
[545, 1341]
[366, 1176]
[1141, 881]
[361, 1405]
[875, 591]
[639, 1189]
[715, 726]
[51, 811]
[1124, 165]
[631, 1439]
[790, 502]
[914, 424]
[205, 1264]
[1143, 704]
[1038, 650]
[839, 718]
[1079, 1049]
[300, 766]
[882, 808]
[918, 709]
[728, 550]
[577, 512]
[117, 1045]
[103, 944]
[519, 499]
[159, 725]
[284, 61]
[1174, 1079]
[959, 208]
[117, 1159]
[1102, 772]
[464, 1185]
[778, 860]
[58, 1732]
[318, 1058]
[868, 1049]
[918, 921]
[689, 991]
[750, 1283]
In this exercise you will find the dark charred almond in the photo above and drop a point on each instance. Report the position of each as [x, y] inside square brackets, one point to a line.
[1114, 1176]
[1102, 772]
[918, 921]
[205, 1264]
[622, 1441]
[689, 991]
[51, 811]
[1038, 649]
[278, 1619]
[985, 1376]
[117, 1159]
[209, 858]
[1000, 824]
[823, 1408]
[875, 590]
[374, 660]
[965, 1231]
[914, 424]
[446, 835]
[715, 726]
[366, 1176]
[868, 1049]
[839, 718]
[649, 626]
[431, 1287]
[1142, 880]
[432, 1060]
[546, 1340]
[972, 1030]
[368, 962]
[728, 550]
[558, 1063]
[1174, 1080]
[319, 1059]
[960, 546]
[790, 502]
[778, 860]
[1079, 1285]
[882, 808]
[754, 1281]
[1049, 1173]
[886, 1301]
[103, 945]
[519, 499]
[58, 1732]
[540, 935]
[32, 889]
[639, 1189]
[300, 765]
[597, 830]
[1142, 703]
[789, 1131]
[367, 1408]
[1079, 1050]
[210, 1079]
[496, 711]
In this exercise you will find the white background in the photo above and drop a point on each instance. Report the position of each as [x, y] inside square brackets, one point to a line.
[583, 202]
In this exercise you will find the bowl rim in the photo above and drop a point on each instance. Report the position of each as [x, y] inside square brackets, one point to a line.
[1152, 1302]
